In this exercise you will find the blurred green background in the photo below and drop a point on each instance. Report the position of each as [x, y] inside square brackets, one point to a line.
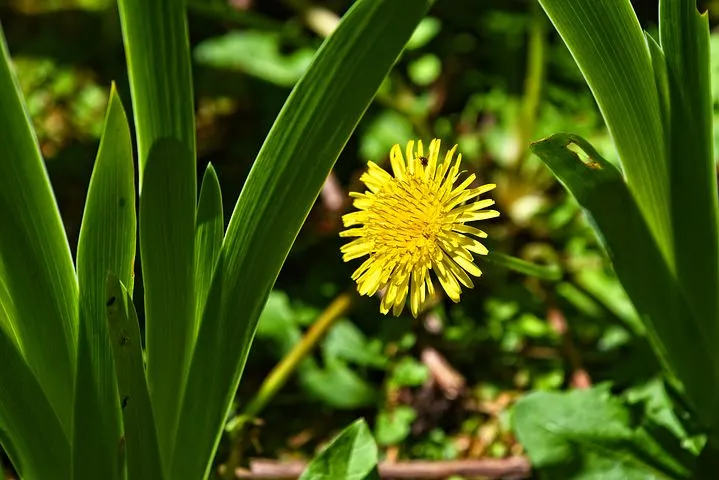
[490, 76]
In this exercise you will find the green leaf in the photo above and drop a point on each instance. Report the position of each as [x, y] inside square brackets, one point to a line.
[257, 53]
[588, 434]
[305, 141]
[35, 263]
[7, 313]
[143, 451]
[425, 69]
[427, 29]
[675, 332]
[336, 384]
[394, 426]
[684, 36]
[156, 46]
[106, 244]
[607, 43]
[160, 76]
[277, 323]
[409, 372]
[31, 433]
[352, 455]
[545, 272]
[382, 131]
[604, 287]
[347, 342]
[658, 406]
[209, 232]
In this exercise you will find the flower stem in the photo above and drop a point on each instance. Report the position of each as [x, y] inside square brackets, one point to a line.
[282, 372]
[239, 426]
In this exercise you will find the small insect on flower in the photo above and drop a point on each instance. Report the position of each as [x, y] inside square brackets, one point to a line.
[415, 221]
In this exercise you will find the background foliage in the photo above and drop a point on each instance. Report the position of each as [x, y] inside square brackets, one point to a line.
[490, 76]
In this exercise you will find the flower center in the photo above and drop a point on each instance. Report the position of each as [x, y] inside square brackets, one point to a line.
[407, 213]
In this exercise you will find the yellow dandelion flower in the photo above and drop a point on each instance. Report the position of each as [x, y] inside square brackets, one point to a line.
[414, 222]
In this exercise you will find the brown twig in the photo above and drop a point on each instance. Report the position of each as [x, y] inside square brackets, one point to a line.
[507, 468]
[449, 380]
[580, 376]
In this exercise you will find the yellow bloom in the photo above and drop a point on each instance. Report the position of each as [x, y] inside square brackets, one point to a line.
[414, 222]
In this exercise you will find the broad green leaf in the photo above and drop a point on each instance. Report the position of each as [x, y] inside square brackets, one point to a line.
[156, 46]
[208, 235]
[684, 36]
[352, 455]
[675, 331]
[106, 244]
[30, 431]
[141, 443]
[35, 263]
[588, 434]
[305, 141]
[607, 43]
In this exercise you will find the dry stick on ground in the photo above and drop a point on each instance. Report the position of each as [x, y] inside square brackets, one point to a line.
[508, 468]
[449, 380]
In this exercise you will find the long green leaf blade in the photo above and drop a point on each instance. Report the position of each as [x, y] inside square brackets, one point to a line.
[106, 244]
[156, 42]
[143, 450]
[684, 36]
[30, 431]
[162, 95]
[305, 141]
[7, 313]
[607, 43]
[208, 235]
[35, 262]
[673, 328]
